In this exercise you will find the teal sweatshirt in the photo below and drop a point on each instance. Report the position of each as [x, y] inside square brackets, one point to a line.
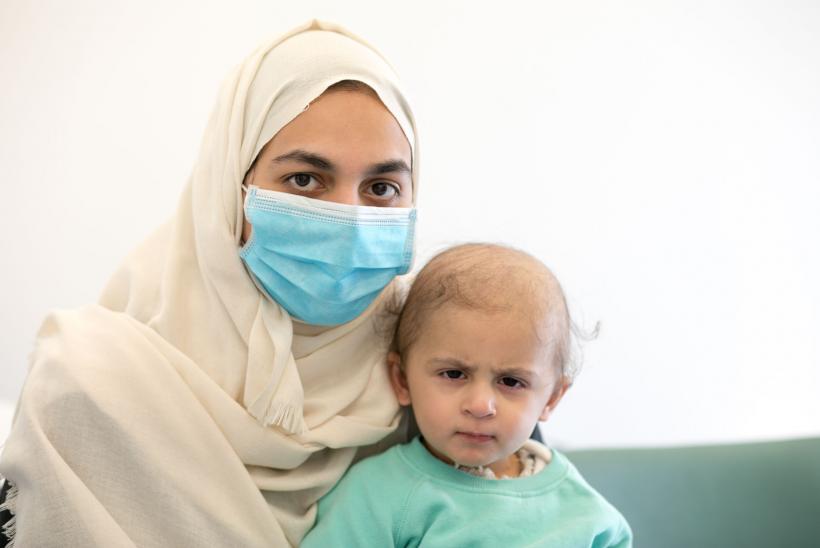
[407, 497]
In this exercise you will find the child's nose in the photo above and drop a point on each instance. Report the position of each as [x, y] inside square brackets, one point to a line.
[480, 402]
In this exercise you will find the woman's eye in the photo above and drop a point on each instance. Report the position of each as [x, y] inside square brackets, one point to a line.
[303, 181]
[453, 374]
[511, 382]
[382, 189]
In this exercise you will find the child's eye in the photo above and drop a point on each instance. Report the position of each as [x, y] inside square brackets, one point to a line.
[512, 382]
[453, 374]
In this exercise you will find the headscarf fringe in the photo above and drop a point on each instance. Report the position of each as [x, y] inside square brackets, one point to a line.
[286, 416]
[10, 505]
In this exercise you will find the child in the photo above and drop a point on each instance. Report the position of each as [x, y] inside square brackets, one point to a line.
[481, 353]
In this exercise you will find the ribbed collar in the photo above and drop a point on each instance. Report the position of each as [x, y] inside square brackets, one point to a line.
[417, 456]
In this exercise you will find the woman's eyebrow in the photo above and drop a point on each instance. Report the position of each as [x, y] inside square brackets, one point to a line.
[319, 162]
[390, 166]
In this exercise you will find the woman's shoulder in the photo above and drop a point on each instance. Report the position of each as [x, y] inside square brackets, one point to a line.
[75, 321]
[88, 350]
[81, 334]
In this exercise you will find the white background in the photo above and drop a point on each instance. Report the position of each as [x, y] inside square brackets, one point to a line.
[661, 157]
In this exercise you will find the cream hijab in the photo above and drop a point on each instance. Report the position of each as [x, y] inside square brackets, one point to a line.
[187, 409]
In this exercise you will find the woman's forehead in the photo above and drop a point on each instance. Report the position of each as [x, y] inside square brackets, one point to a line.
[345, 128]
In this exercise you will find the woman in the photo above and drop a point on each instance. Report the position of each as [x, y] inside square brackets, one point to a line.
[235, 362]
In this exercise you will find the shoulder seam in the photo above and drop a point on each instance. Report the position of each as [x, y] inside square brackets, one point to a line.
[405, 509]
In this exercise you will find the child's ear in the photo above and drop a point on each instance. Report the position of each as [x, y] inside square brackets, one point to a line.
[397, 378]
[557, 394]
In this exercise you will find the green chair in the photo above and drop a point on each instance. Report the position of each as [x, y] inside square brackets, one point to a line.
[745, 495]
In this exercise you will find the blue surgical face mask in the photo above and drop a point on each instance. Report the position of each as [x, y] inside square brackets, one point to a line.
[322, 261]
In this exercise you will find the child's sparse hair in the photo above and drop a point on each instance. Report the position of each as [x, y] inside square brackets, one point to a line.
[490, 278]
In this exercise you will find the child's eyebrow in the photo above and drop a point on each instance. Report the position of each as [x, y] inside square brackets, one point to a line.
[515, 372]
[453, 362]
[519, 372]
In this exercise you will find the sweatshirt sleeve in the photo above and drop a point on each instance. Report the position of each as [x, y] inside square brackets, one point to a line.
[619, 537]
[360, 510]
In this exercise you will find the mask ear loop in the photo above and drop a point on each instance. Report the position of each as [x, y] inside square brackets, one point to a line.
[252, 172]
[246, 192]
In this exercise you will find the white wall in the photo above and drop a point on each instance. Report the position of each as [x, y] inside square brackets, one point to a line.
[662, 157]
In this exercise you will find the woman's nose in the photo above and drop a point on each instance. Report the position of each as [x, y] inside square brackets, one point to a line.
[480, 402]
[344, 192]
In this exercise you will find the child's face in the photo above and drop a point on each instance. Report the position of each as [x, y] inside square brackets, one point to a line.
[478, 383]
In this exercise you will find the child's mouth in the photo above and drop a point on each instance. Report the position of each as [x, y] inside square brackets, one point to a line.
[475, 437]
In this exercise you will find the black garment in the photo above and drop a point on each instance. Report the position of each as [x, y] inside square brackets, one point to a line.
[5, 515]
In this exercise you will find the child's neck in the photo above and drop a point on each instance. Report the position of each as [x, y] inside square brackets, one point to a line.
[509, 467]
